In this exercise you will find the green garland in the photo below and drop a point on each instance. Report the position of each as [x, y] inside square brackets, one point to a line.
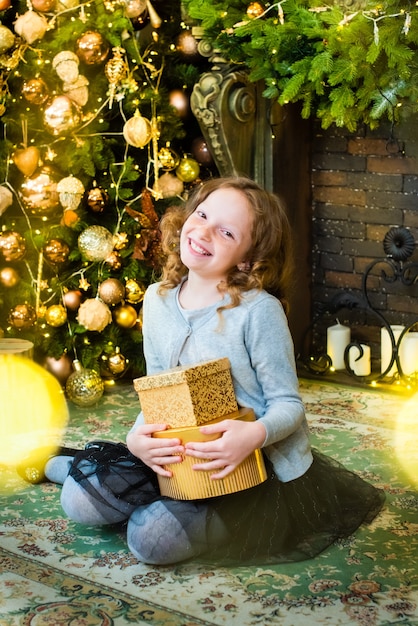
[347, 62]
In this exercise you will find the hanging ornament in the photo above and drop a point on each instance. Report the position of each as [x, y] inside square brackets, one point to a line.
[135, 8]
[60, 368]
[84, 387]
[22, 316]
[31, 26]
[56, 251]
[168, 186]
[187, 46]
[94, 314]
[43, 6]
[12, 246]
[255, 10]
[66, 63]
[188, 169]
[140, 21]
[26, 159]
[168, 158]
[180, 101]
[95, 243]
[116, 71]
[70, 190]
[201, 152]
[114, 365]
[56, 315]
[77, 91]
[5, 4]
[137, 131]
[111, 291]
[120, 241]
[9, 277]
[39, 192]
[61, 115]
[97, 199]
[35, 91]
[92, 48]
[7, 39]
[134, 291]
[6, 199]
[125, 316]
[154, 18]
[114, 261]
[72, 299]
[69, 218]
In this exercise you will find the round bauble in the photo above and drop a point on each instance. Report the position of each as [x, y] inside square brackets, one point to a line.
[60, 368]
[61, 116]
[92, 48]
[97, 199]
[94, 315]
[188, 170]
[5, 4]
[72, 299]
[95, 243]
[134, 291]
[70, 218]
[125, 316]
[7, 39]
[26, 159]
[137, 131]
[56, 315]
[9, 277]
[168, 186]
[180, 101]
[111, 291]
[84, 387]
[56, 251]
[12, 246]
[22, 316]
[35, 91]
[135, 8]
[39, 192]
[201, 152]
[255, 10]
[43, 6]
[187, 45]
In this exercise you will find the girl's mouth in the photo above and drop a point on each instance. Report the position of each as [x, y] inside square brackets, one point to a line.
[196, 248]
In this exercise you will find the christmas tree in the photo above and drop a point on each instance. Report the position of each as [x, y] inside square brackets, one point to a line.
[98, 140]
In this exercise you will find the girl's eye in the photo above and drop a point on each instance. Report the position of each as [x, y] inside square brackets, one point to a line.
[228, 233]
[201, 214]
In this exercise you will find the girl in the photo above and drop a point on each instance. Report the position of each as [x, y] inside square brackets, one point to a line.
[227, 251]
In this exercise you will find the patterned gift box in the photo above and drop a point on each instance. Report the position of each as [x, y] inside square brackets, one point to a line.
[187, 396]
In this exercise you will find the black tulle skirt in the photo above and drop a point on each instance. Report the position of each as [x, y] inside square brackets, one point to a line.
[274, 522]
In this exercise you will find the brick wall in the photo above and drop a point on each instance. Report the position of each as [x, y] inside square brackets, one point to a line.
[362, 185]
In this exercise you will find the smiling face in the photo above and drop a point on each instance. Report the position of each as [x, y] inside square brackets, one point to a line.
[217, 235]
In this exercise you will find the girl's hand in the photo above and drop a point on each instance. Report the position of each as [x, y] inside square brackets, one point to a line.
[238, 440]
[152, 451]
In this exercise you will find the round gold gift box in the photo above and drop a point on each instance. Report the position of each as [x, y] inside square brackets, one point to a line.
[189, 484]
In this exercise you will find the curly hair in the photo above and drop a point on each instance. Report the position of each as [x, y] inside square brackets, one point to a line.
[270, 257]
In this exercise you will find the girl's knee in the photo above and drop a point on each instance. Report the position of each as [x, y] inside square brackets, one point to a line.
[81, 507]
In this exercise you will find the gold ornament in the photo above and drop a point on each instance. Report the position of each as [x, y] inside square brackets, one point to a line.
[6, 199]
[9, 277]
[134, 291]
[137, 131]
[77, 91]
[66, 63]
[187, 45]
[43, 6]
[70, 190]
[95, 243]
[135, 8]
[255, 10]
[84, 387]
[39, 192]
[188, 170]
[26, 159]
[94, 314]
[7, 39]
[35, 91]
[12, 245]
[167, 158]
[56, 315]
[22, 316]
[69, 218]
[111, 291]
[125, 316]
[61, 115]
[97, 199]
[60, 368]
[31, 26]
[180, 101]
[56, 251]
[116, 71]
[72, 299]
[120, 241]
[92, 48]
[5, 4]
[113, 365]
[114, 260]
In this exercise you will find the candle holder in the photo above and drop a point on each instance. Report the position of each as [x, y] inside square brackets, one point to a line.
[398, 244]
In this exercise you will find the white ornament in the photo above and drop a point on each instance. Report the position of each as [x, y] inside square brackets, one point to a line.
[31, 26]
[6, 199]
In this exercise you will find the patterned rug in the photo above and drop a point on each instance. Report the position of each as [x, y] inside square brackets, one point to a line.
[54, 572]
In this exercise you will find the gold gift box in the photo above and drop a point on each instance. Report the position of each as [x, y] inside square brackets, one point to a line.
[189, 484]
[187, 395]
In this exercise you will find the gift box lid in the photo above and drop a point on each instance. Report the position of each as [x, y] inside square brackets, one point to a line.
[182, 374]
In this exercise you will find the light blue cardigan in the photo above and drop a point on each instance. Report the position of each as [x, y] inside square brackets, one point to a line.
[256, 339]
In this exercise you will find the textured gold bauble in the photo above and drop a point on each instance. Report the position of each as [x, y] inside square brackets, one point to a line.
[9, 277]
[134, 291]
[255, 10]
[56, 251]
[95, 243]
[39, 192]
[56, 315]
[12, 246]
[35, 91]
[7, 39]
[61, 115]
[92, 48]
[125, 316]
[137, 131]
[111, 291]
[22, 316]
[84, 387]
[188, 170]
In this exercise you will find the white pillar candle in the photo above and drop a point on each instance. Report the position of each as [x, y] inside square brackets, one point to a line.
[386, 348]
[409, 353]
[338, 338]
[360, 366]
